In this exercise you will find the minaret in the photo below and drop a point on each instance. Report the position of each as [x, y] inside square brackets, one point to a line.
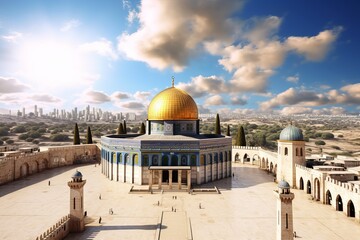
[291, 151]
[284, 218]
[77, 223]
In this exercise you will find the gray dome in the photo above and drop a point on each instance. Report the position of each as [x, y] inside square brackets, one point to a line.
[77, 174]
[283, 184]
[291, 133]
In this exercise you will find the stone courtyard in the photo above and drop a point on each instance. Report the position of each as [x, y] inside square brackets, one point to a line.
[245, 209]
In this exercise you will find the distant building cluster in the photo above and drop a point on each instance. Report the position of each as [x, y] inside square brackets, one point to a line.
[87, 115]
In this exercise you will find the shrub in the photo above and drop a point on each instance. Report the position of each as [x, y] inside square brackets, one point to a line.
[29, 139]
[317, 135]
[23, 136]
[340, 136]
[327, 135]
[1, 142]
[59, 137]
[320, 142]
[4, 138]
[336, 147]
[35, 141]
[4, 131]
[34, 134]
[9, 141]
[19, 129]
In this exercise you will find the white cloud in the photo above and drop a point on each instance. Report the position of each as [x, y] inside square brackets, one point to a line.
[261, 29]
[132, 16]
[314, 48]
[133, 105]
[349, 94]
[238, 100]
[69, 25]
[293, 79]
[200, 86]
[296, 110]
[95, 97]
[11, 85]
[102, 47]
[120, 95]
[181, 26]
[12, 37]
[44, 98]
[142, 95]
[215, 100]
[292, 97]
[203, 109]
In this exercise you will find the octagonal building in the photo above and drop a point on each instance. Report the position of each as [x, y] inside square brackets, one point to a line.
[172, 154]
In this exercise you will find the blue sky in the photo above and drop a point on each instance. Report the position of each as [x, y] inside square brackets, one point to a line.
[283, 57]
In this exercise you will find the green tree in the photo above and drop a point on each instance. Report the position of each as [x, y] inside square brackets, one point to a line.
[142, 128]
[240, 137]
[120, 129]
[4, 131]
[327, 135]
[19, 129]
[88, 136]
[125, 129]
[217, 125]
[60, 138]
[320, 142]
[228, 131]
[76, 135]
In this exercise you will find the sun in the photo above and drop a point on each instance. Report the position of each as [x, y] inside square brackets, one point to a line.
[52, 63]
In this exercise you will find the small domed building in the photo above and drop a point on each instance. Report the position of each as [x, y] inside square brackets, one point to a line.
[172, 153]
[291, 151]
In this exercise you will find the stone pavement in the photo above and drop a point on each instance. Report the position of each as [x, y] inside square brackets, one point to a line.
[245, 209]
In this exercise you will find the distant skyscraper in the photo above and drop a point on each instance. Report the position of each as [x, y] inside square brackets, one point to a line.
[40, 112]
[36, 111]
[23, 112]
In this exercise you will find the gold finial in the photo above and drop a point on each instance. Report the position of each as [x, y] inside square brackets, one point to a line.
[173, 80]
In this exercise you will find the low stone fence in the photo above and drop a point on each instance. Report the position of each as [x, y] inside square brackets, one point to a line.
[58, 231]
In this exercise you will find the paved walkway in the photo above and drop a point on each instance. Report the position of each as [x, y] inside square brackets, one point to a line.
[246, 209]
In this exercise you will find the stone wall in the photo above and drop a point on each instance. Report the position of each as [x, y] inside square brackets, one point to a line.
[16, 167]
[58, 231]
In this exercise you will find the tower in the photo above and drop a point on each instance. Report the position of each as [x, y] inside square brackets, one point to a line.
[77, 223]
[284, 218]
[291, 151]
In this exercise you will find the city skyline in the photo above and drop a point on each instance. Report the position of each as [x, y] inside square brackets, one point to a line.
[237, 56]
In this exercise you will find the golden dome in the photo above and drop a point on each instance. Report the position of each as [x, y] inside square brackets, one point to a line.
[172, 104]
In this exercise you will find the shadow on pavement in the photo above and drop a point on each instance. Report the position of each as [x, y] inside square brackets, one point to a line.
[34, 178]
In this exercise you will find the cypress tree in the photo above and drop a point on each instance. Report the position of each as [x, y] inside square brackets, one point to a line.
[125, 130]
[120, 129]
[217, 125]
[142, 128]
[263, 140]
[89, 136]
[228, 130]
[240, 137]
[76, 135]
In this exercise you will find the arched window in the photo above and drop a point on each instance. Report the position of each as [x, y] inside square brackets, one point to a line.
[296, 152]
[287, 222]
[301, 152]
[155, 160]
[286, 151]
[184, 160]
[74, 202]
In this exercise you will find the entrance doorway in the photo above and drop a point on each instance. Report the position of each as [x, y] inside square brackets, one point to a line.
[166, 175]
